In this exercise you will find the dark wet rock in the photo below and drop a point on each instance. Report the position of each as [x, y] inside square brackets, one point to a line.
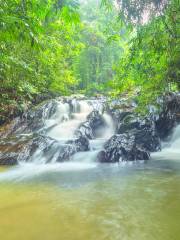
[122, 147]
[81, 143]
[31, 121]
[12, 148]
[8, 158]
[47, 149]
[20, 104]
[43, 144]
[34, 119]
[169, 116]
[143, 129]
[121, 107]
[91, 127]
[71, 147]
[85, 130]
[23, 148]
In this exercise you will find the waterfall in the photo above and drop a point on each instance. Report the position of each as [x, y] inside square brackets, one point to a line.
[171, 149]
[65, 122]
[96, 145]
[61, 128]
[110, 128]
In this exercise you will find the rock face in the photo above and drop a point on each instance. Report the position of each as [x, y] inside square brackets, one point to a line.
[135, 138]
[71, 147]
[143, 129]
[31, 121]
[41, 148]
[34, 119]
[169, 116]
[12, 148]
[53, 151]
[91, 127]
[24, 139]
[122, 147]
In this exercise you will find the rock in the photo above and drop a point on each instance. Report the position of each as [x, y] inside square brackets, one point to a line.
[121, 107]
[35, 118]
[12, 148]
[90, 128]
[71, 147]
[42, 143]
[169, 116]
[9, 128]
[81, 143]
[122, 147]
[31, 121]
[47, 149]
[8, 159]
[143, 129]
[23, 148]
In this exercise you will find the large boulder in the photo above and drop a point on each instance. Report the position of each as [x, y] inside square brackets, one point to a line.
[122, 147]
[143, 129]
[169, 116]
[120, 108]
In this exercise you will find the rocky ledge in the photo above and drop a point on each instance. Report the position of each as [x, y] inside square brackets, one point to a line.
[135, 136]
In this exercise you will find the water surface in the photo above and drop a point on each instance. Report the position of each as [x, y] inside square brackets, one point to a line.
[139, 201]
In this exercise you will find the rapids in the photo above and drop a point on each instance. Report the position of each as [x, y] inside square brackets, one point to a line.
[82, 199]
[61, 126]
[171, 148]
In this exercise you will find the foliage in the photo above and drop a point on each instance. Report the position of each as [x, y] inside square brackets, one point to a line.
[89, 46]
[37, 41]
[151, 63]
[102, 47]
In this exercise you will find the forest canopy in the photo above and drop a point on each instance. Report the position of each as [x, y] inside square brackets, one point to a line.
[91, 47]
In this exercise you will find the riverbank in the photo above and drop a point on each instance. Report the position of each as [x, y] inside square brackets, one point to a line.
[13, 104]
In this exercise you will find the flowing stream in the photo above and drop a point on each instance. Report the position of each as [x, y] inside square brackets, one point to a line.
[82, 199]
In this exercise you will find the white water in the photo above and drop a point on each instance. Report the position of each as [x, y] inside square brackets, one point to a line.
[170, 150]
[62, 126]
[65, 123]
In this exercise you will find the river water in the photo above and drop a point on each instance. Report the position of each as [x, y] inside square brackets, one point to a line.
[84, 200]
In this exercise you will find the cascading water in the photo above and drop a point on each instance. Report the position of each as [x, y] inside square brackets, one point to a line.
[61, 127]
[65, 121]
[171, 149]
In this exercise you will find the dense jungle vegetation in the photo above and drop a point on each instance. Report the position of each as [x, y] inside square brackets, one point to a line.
[87, 46]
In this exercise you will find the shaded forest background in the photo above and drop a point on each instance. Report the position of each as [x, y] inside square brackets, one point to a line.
[90, 47]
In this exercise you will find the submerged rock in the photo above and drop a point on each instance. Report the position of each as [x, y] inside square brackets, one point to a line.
[122, 147]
